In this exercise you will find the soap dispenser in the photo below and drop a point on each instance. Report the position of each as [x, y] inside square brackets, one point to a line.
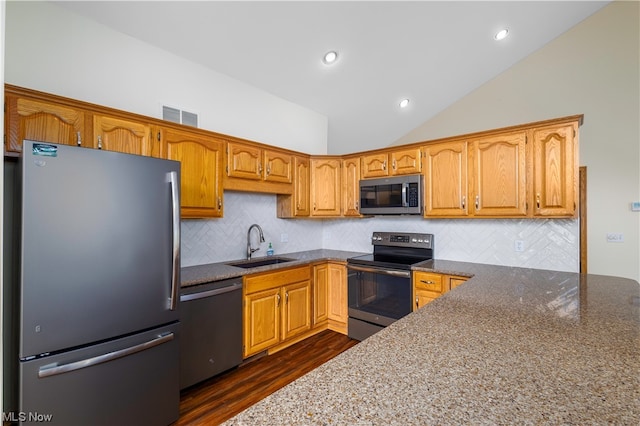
[270, 250]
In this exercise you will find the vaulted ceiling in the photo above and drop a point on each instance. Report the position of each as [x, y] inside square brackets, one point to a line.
[430, 52]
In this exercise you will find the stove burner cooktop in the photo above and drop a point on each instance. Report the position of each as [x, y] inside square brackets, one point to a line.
[397, 250]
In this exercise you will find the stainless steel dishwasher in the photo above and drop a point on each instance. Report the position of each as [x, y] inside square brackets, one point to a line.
[211, 330]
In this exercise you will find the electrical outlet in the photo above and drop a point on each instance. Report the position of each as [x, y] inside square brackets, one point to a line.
[613, 237]
[284, 238]
[519, 245]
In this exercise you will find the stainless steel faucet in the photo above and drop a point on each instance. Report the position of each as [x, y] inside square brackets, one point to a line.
[250, 250]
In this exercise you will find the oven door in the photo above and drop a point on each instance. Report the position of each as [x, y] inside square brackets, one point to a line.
[377, 296]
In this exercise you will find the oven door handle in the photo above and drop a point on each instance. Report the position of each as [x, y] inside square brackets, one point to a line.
[404, 274]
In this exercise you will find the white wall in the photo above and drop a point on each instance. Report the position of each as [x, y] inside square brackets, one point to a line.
[53, 50]
[593, 69]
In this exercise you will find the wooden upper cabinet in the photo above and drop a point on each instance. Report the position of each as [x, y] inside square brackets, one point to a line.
[254, 168]
[43, 121]
[375, 165]
[297, 204]
[200, 158]
[398, 162]
[325, 187]
[244, 161]
[446, 186]
[121, 135]
[406, 161]
[351, 186]
[277, 166]
[554, 170]
[498, 175]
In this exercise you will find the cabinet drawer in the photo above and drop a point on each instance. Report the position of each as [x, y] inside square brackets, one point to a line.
[267, 280]
[428, 281]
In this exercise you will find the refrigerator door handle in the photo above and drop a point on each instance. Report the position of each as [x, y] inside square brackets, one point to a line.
[175, 209]
[48, 371]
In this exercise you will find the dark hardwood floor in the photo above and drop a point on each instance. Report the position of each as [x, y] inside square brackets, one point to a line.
[222, 397]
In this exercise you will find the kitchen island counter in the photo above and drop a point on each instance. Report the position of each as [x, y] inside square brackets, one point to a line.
[509, 346]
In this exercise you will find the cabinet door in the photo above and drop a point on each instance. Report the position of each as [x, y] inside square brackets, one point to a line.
[423, 297]
[277, 166]
[296, 318]
[42, 121]
[555, 171]
[498, 174]
[374, 165]
[200, 175]
[320, 294]
[302, 205]
[244, 161]
[337, 289]
[406, 162]
[446, 179]
[351, 186]
[121, 135]
[325, 187]
[261, 321]
[456, 281]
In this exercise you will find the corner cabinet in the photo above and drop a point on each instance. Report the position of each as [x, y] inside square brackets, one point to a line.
[351, 186]
[276, 309]
[555, 166]
[200, 158]
[297, 204]
[325, 187]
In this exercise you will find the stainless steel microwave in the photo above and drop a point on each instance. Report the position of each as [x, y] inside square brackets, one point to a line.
[392, 195]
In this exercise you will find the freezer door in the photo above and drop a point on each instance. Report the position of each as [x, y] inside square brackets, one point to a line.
[98, 253]
[129, 381]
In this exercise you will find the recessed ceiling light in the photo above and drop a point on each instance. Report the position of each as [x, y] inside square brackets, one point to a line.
[502, 34]
[330, 57]
[404, 103]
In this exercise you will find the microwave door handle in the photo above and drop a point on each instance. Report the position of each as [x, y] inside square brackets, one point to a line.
[405, 187]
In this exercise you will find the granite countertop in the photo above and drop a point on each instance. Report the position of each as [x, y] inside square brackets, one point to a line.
[509, 346]
[201, 274]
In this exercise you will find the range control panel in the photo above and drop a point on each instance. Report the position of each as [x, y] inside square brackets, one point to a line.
[402, 239]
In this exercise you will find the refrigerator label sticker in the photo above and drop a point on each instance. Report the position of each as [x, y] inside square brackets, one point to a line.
[45, 150]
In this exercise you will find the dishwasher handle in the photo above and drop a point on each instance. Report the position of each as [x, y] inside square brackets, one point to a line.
[210, 293]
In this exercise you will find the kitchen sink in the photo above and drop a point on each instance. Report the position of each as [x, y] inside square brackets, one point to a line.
[259, 262]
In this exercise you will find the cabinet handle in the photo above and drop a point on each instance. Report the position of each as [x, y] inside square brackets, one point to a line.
[314, 207]
[158, 136]
[464, 201]
[78, 139]
[286, 298]
[278, 297]
[99, 142]
[384, 165]
[268, 169]
[427, 281]
[219, 203]
[259, 168]
[393, 164]
[417, 306]
[477, 202]
[538, 201]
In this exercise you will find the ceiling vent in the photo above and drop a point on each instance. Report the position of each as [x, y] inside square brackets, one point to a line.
[177, 116]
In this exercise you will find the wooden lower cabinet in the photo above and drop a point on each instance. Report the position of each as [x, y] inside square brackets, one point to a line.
[277, 308]
[428, 286]
[330, 296]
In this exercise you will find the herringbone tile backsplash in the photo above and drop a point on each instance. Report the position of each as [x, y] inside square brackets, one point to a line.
[548, 243]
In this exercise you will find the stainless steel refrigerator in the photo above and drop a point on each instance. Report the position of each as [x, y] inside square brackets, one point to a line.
[98, 287]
